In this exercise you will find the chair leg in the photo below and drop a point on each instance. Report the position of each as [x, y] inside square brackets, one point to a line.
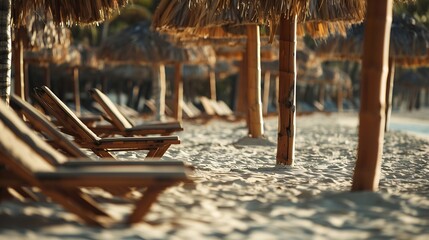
[152, 153]
[143, 205]
[76, 208]
[85, 201]
[161, 151]
[103, 153]
[158, 153]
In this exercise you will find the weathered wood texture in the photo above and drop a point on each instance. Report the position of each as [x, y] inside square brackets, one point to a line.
[373, 95]
[287, 92]
[254, 82]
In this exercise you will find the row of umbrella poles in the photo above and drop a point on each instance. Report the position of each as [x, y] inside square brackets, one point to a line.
[190, 16]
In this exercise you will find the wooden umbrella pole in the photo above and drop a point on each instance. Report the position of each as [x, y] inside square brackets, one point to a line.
[254, 84]
[373, 91]
[389, 92]
[277, 87]
[287, 92]
[266, 96]
[18, 61]
[178, 91]
[212, 76]
[76, 89]
[159, 88]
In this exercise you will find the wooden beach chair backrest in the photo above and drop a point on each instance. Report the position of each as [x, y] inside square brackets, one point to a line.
[63, 114]
[41, 124]
[118, 119]
[21, 149]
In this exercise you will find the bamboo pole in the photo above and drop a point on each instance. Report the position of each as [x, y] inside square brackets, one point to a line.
[26, 81]
[212, 79]
[178, 91]
[18, 61]
[389, 92]
[254, 82]
[266, 96]
[287, 92]
[159, 88]
[373, 91]
[76, 90]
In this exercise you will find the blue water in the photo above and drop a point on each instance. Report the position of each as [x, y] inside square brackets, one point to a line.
[421, 129]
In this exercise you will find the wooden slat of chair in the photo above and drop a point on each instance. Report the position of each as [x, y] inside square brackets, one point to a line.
[126, 127]
[86, 138]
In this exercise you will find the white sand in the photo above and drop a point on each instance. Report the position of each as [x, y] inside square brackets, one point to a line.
[240, 194]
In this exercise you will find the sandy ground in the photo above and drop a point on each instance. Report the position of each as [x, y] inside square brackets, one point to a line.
[240, 194]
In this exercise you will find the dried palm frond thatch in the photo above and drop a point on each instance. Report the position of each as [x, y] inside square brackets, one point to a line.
[67, 12]
[409, 43]
[42, 33]
[139, 45]
[197, 17]
[57, 55]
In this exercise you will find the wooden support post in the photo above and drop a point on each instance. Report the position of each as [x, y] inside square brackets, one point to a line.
[266, 97]
[322, 90]
[47, 69]
[277, 90]
[340, 96]
[212, 79]
[373, 91]
[76, 89]
[178, 92]
[241, 100]
[159, 87]
[389, 92]
[256, 129]
[26, 82]
[287, 92]
[18, 62]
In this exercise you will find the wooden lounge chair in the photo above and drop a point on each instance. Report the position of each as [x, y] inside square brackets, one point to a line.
[24, 155]
[123, 126]
[86, 138]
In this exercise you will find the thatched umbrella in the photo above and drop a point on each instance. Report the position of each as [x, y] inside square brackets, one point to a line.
[179, 15]
[140, 45]
[409, 47]
[67, 12]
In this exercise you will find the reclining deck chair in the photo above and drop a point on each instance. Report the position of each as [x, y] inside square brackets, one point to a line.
[24, 155]
[123, 126]
[57, 139]
[86, 138]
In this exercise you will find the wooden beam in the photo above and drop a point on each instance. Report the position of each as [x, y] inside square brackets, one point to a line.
[266, 96]
[373, 91]
[76, 90]
[254, 82]
[178, 92]
[212, 79]
[287, 92]
[18, 62]
[159, 88]
[389, 92]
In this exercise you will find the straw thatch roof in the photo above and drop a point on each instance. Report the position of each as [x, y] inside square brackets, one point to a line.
[56, 55]
[42, 33]
[408, 43]
[67, 12]
[318, 18]
[139, 45]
